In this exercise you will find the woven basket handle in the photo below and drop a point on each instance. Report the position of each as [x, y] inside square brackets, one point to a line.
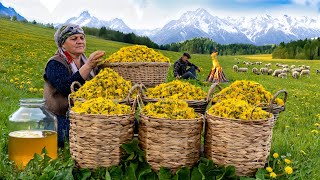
[133, 108]
[143, 89]
[69, 101]
[211, 90]
[139, 101]
[217, 95]
[277, 94]
[72, 86]
[136, 86]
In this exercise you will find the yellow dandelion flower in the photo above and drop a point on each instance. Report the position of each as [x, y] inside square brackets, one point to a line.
[288, 170]
[269, 169]
[287, 161]
[273, 175]
[275, 155]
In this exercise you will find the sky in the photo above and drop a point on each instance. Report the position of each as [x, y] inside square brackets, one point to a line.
[151, 14]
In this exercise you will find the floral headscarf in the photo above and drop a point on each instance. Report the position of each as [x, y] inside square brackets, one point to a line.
[60, 38]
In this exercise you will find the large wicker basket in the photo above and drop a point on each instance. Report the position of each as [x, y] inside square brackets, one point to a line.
[244, 144]
[95, 140]
[148, 73]
[199, 106]
[170, 143]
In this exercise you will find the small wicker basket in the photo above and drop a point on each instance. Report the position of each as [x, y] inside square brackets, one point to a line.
[199, 106]
[243, 144]
[148, 73]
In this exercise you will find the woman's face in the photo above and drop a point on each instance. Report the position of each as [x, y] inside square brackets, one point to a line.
[75, 44]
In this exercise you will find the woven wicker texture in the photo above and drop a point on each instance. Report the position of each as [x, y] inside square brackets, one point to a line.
[148, 73]
[244, 144]
[95, 140]
[276, 109]
[170, 143]
[199, 106]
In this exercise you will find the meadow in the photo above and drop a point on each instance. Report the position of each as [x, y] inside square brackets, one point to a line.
[25, 49]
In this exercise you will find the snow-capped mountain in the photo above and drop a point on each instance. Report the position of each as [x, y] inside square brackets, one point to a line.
[4, 11]
[257, 30]
[85, 19]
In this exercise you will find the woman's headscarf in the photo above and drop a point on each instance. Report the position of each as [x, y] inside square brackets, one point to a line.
[61, 36]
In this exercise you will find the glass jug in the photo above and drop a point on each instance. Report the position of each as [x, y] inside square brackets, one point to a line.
[31, 128]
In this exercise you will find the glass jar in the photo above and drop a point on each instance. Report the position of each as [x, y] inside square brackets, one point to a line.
[31, 128]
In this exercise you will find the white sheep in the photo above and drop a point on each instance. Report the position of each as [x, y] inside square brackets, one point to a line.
[285, 66]
[305, 72]
[318, 71]
[264, 70]
[255, 70]
[283, 75]
[296, 69]
[307, 67]
[268, 65]
[242, 69]
[270, 71]
[277, 72]
[292, 66]
[285, 70]
[295, 74]
[235, 68]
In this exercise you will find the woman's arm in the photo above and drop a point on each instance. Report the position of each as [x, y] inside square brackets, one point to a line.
[59, 77]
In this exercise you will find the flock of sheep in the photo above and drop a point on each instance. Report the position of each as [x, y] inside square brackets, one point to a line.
[282, 70]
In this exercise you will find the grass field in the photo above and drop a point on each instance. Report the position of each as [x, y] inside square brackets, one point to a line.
[25, 49]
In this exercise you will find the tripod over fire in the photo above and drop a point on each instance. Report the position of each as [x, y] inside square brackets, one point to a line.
[216, 75]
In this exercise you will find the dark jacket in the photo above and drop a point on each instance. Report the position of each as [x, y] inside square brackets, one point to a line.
[180, 67]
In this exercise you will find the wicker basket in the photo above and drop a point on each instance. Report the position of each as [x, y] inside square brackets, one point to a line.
[199, 106]
[170, 143]
[148, 73]
[95, 140]
[243, 144]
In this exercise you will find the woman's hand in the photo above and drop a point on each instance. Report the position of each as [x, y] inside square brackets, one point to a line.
[95, 58]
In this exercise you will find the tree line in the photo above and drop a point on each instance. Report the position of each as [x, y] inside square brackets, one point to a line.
[300, 49]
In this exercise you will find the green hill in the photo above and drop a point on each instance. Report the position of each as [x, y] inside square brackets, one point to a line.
[25, 49]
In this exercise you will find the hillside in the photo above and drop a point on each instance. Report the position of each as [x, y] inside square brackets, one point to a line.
[25, 49]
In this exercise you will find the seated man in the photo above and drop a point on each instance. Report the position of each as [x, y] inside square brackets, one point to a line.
[180, 68]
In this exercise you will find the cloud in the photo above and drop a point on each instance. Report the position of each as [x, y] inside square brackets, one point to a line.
[309, 3]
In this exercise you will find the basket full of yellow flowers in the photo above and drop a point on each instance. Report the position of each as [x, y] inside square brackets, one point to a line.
[139, 64]
[170, 134]
[238, 133]
[196, 98]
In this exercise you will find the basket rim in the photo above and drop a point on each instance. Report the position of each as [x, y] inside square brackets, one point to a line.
[174, 120]
[102, 116]
[240, 120]
[137, 63]
[187, 100]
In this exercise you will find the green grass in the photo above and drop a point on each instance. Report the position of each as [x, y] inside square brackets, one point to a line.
[25, 49]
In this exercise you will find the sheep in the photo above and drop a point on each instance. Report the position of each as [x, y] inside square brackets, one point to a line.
[268, 65]
[285, 66]
[235, 68]
[285, 70]
[258, 63]
[247, 64]
[242, 70]
[295, 74]
[255, 70]
[277, 72]
[305, 72]
[264, 70]
[278, 65]
[307, 67]
[318, 71]
[270, 71]
[296, 69]
[283, 75]
[292, 66]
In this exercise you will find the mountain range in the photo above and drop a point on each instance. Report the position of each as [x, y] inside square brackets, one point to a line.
[258, 30]
[9, 11]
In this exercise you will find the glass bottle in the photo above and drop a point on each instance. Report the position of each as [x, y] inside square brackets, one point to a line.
[31, 128]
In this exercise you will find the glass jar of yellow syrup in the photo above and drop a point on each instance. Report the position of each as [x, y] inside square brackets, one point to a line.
[31, 128]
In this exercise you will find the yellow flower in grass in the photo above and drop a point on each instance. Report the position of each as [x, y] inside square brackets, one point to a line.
[315, 131]
[273, 175]
[275, 155]
[288, 170]
[269, 169]
[287, 161]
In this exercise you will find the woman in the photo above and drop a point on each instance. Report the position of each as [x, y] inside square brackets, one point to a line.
[216, 74]
[69, 64]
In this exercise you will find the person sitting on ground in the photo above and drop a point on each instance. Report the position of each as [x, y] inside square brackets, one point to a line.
[180, 68]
